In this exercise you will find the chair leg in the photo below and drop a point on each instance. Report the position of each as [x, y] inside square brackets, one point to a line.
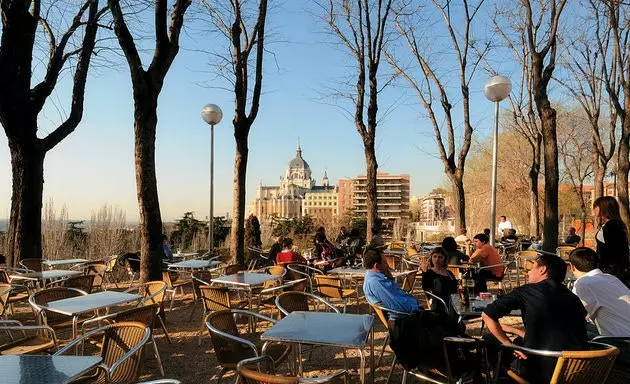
[404, 378]
[200, 333]
[223, 370]
[156, 352]
[192, 311]
[165, 330]
[391, 370]
[380, 356]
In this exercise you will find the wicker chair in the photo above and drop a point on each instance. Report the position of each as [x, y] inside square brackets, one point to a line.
[298, 270]
[621, 368]
[198, 279]
[162, 381]
[97, 270]
[266, 298]
[121, 350]
[330, 286]
[32, 264]
[109, 276]
[230, 346]
[381, 314]
[260, 370]
[231, 269]
[19, 339]
[288, 302]
[563, 251]
[173, 286]
[54, 320]
[153, 292]
[19, 293]
[217, 299]
[575, 367]
[144, 314]
[409, 281]
[5, 293]
[82, 282]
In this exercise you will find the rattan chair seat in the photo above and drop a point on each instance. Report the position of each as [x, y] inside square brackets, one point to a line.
[27, 345]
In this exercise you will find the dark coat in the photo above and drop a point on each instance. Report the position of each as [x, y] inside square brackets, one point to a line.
[613, 252]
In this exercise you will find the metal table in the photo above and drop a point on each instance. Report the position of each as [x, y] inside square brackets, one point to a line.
[56, 263]
[45, 369]
[246, 280]
[325, 328]
[79, 305]
[184, 255]
[359, 272]
[194, 264]
[52, 274]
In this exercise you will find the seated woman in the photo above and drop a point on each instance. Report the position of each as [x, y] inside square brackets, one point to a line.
[439, 280]
[287, 255]
[324, 250]
[487, 256]
[455, 256]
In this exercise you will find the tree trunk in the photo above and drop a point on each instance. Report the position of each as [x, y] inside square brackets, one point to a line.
[237, 237]
[459, 200]
[371, 201]
[150, 218]
[534, 214]
[550, 145]
[623, 167]
[599, 172]
[25, 225]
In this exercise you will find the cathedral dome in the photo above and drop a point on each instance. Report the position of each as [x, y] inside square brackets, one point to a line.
[298, 162]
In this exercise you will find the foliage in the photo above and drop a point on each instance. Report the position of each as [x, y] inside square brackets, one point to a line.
[286, 227]
[221, 230]
[252, 232]
[185, 230]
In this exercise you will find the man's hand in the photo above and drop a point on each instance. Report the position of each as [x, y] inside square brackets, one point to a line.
[518, 354]
[513, 330]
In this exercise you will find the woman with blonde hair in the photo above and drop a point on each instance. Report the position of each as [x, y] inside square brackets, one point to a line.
[611, 237]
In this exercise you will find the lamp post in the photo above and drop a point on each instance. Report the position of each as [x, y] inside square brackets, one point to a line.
[212, 115]
[495, 90]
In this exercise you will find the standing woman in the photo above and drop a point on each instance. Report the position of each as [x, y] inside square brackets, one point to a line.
[611, 237]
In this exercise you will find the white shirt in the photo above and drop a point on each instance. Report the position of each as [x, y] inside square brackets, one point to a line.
[607, 301]
[461, 238]
[504, 225]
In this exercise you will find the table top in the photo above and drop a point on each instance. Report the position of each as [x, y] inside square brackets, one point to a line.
[195, 264]
[184, 255]
[395, 252]
[322, 328]
[44, 369]
[359, 271]
[81, 304]
[475, 307]
[245, 279]
[52, 263]
[45, 275]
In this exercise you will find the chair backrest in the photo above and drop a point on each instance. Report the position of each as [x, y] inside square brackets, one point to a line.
[582, 367]
[227, 351]
[5, 291]
[409, 281]
[276, 270]
[463, 358]
[329, 286]
[4, 277]
[32, 264]
[98, 270]
[153, 292]
[232, 269]
[83, 282]
[380, 314]
[299, 285]
[45, 296]
[118, 340]
[391, 261]
[200, 278]
[110, 262]
[214, 298]
[144, 315]
[259, 370]
[527, 253]
[563, 251]
[288, 302]
[455, 271]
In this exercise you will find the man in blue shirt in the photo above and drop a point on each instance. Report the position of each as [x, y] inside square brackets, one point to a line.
[380, 289]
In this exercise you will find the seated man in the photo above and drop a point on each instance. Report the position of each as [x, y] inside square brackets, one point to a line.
[554, 318]
[287, 255]
[167, 253]
[486, 255]
[605, 297]
[380, 288]
[572, 238]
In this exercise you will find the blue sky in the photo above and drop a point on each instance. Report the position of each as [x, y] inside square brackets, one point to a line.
[94, 165]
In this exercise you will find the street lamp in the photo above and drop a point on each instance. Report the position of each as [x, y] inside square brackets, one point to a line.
[496, 89]
[211, 114]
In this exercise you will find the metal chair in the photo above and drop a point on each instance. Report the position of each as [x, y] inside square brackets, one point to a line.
[260, 370]
[153, 292]
[199, 278]
[54, 320]
[575, 367]
[82, 282]
[144, 314]
[161, 381]
[409, 281]
[22, 339]
[563, 251]
[216, 299]
[98, 270]
[109, 276]
[330, 286]
[621, 368]
[32, 264]
[381, 314]
[132, 265]
[173, 286]
[121, 351]
[229, 345]
[257, 258]
[303, 270]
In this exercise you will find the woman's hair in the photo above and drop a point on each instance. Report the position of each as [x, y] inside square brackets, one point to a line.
[439, 251]
[287, 242]
[449, 244]
[482, 237]
[608, 207]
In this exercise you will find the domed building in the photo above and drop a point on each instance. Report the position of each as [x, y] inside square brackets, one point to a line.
[287, 199]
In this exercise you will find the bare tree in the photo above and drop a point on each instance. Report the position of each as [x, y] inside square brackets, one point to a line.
[147, 85]
[431, 81]
[616, 73]
[523, 118]
[361, 26]
[541, 27]
[575, 148]
[584, 63]
[20, 105]
[245, 39]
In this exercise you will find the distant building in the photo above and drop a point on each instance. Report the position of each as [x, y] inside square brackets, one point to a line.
[392, 196]
[432, 208]
[345, 190]
[296, 195]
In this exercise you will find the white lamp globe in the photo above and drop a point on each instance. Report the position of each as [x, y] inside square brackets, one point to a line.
[211, 114]
[497, 88]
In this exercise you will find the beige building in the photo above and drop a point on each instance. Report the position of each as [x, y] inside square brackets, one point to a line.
[392, 194]
[432, 208]
[288, 199]
[321, 201]
[345, 190]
